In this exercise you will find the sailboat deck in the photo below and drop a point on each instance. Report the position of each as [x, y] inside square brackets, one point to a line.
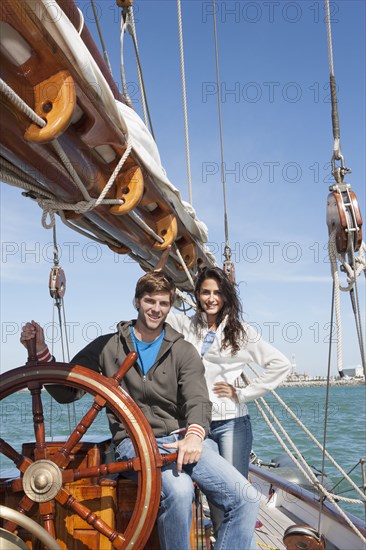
[275, 521]
[274, 524]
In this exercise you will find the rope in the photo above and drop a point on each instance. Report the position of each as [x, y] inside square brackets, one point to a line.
[145, 107]
[310, 435]
[105, 240]
[312, 478]
[338, 173]
[326, 409]
[183, 264]
[51, 206]
[226, 226]
[358, 320]
[20, 104]
[12, 179]
[122, 66]
[105, 54]
[184, 298]
[71, 170]
[145, 227]
[183, 78]
[352, 274]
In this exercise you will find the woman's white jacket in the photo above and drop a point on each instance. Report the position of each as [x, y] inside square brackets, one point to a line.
[220, 365]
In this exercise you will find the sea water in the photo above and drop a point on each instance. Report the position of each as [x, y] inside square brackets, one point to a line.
[345, 427]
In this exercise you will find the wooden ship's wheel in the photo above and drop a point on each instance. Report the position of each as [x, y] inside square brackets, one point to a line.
[49, 480]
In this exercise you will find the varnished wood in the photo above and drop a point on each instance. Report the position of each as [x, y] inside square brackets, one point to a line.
[62, 457]
[55, 103]
[295, 539]
[24, 507]
[125, 367]
[38, 421]
[129, 188]
[126, 410]
[80, 140]
[340, 218]
[47, 513]
[20, 461]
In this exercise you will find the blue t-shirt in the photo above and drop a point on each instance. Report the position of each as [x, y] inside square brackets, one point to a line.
[207, 341]
[147, 351]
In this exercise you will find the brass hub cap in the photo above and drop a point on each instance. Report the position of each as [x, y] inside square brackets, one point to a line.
[42, 481]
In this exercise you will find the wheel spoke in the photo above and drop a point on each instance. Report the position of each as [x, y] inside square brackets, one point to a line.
[40, 450]
[43, 477]
[20, 461]
[102, 470]
[47, 511]
[62, 457]
[24, 506]
[11, 486]
[69, 501]
[134, 464]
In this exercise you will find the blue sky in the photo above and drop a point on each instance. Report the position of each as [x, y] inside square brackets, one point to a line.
[277, 147]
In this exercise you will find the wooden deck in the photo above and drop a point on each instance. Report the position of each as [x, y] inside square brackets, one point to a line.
[274, 525]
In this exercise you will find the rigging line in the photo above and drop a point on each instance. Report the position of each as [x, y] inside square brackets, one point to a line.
[145, 106]
[183, 264]
[306, 470]
[15, 181]
[20, 104]
[337, 304]
[16, 171]
[122, 65]
[74, 227]
[342, 479]
[358, 321]
[357, 311]
[96, 19]
[185, 114]
[308, 433]
[226, 226]
[73, 404]
[337, 154]
[321, 501]
[310, 477]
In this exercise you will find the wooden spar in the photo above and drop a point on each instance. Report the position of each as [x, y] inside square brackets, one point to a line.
[48, 81]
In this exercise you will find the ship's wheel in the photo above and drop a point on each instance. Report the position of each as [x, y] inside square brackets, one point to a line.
[43, 481]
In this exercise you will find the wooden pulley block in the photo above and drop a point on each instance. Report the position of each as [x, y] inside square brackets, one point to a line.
[124, 3]
[343, 215]
[166, 227]
[55, 103]
[188, 252]
[129, 188]
[57, 282]
[120, 249]
[229, 269]
[303, 537]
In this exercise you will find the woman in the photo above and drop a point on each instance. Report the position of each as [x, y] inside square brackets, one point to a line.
[226, 345]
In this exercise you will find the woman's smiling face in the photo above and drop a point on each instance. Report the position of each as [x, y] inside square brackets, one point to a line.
[211, 299]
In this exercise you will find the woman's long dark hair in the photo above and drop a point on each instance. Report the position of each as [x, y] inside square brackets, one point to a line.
[234, 333]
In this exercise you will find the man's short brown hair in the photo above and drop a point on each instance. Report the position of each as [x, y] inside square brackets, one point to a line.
[155, 282]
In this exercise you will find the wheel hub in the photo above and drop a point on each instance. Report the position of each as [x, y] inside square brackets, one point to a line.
[42, 481]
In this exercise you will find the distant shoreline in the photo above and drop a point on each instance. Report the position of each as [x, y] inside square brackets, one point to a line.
[313, 383]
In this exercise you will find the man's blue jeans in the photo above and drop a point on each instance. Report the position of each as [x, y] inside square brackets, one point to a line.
[219, 481]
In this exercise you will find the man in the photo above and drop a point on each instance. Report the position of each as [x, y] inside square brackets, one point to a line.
[168, 384]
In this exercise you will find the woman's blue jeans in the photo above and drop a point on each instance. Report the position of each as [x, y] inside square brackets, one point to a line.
[219, 481]
[234, 439]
